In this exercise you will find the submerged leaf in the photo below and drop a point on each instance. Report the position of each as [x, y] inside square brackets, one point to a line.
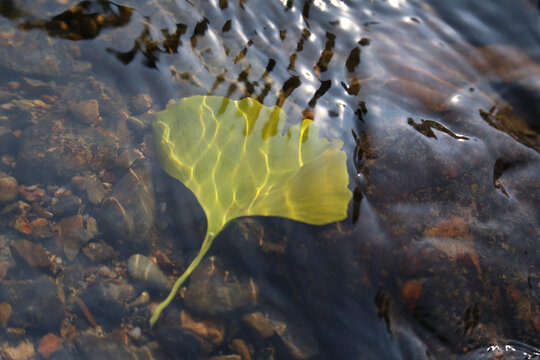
[236, 159]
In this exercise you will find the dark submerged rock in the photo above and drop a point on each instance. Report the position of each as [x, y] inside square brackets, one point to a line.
[37, 304]
[295, 334]
[127, 214]
[7, 141]
[257, 322]
[91, 347]
[66, 205]
[107, 301]
[214, 289]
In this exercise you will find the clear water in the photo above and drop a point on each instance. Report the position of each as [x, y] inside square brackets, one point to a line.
[438, 104]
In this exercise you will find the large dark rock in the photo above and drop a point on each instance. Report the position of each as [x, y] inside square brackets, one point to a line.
[37, 304]
[107, 301]
[127, 214]
[214, 289]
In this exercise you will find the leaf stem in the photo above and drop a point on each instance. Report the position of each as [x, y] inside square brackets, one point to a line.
[210, 236]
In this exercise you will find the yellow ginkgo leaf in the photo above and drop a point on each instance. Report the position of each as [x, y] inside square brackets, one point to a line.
[236, 159]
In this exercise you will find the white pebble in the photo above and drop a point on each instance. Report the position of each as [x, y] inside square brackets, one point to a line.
[135, 333]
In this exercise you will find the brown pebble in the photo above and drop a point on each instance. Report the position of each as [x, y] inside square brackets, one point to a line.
[67, 225]
[163, 261]
[5, 313]
[39, 222]
[239, 346]
[73, 242]
[8, 188]
[86, 111]
[120, 336]
[40, 212]
[13, 85]
[41, 104]
[109, 177]
[49, 99]
[22, 225]
[42, 228]
[4, 267]
[94, 189]
[48, 345]
[91, 225]
[16, 208]
[66, 205]
[210, 332]
[127, 158]
[31, 193]
[258, 322]
[79, 183]
[23, 351]
[34, 254]
[141, 103]
[7, 160]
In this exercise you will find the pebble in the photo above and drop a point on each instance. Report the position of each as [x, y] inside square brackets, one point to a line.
[226, 357]
[213, 289]
[17, 208]
[106, 272]
[73, 242]
[5, 313]
[48, 345]
[8, 189]
[62, 191]
[143, 299]
[91, 225]
[23, 351]
[31, 193]
[42, 228]
[86, 111]
[66, 205]
[259, 323]
[127, 158]
[141, 103]
[210, 332]
[33, 254]
[79, 182]
[239, 346]
[135, 333]
[98, 251]
[67, 225]
[22, 225]
[145, 270]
